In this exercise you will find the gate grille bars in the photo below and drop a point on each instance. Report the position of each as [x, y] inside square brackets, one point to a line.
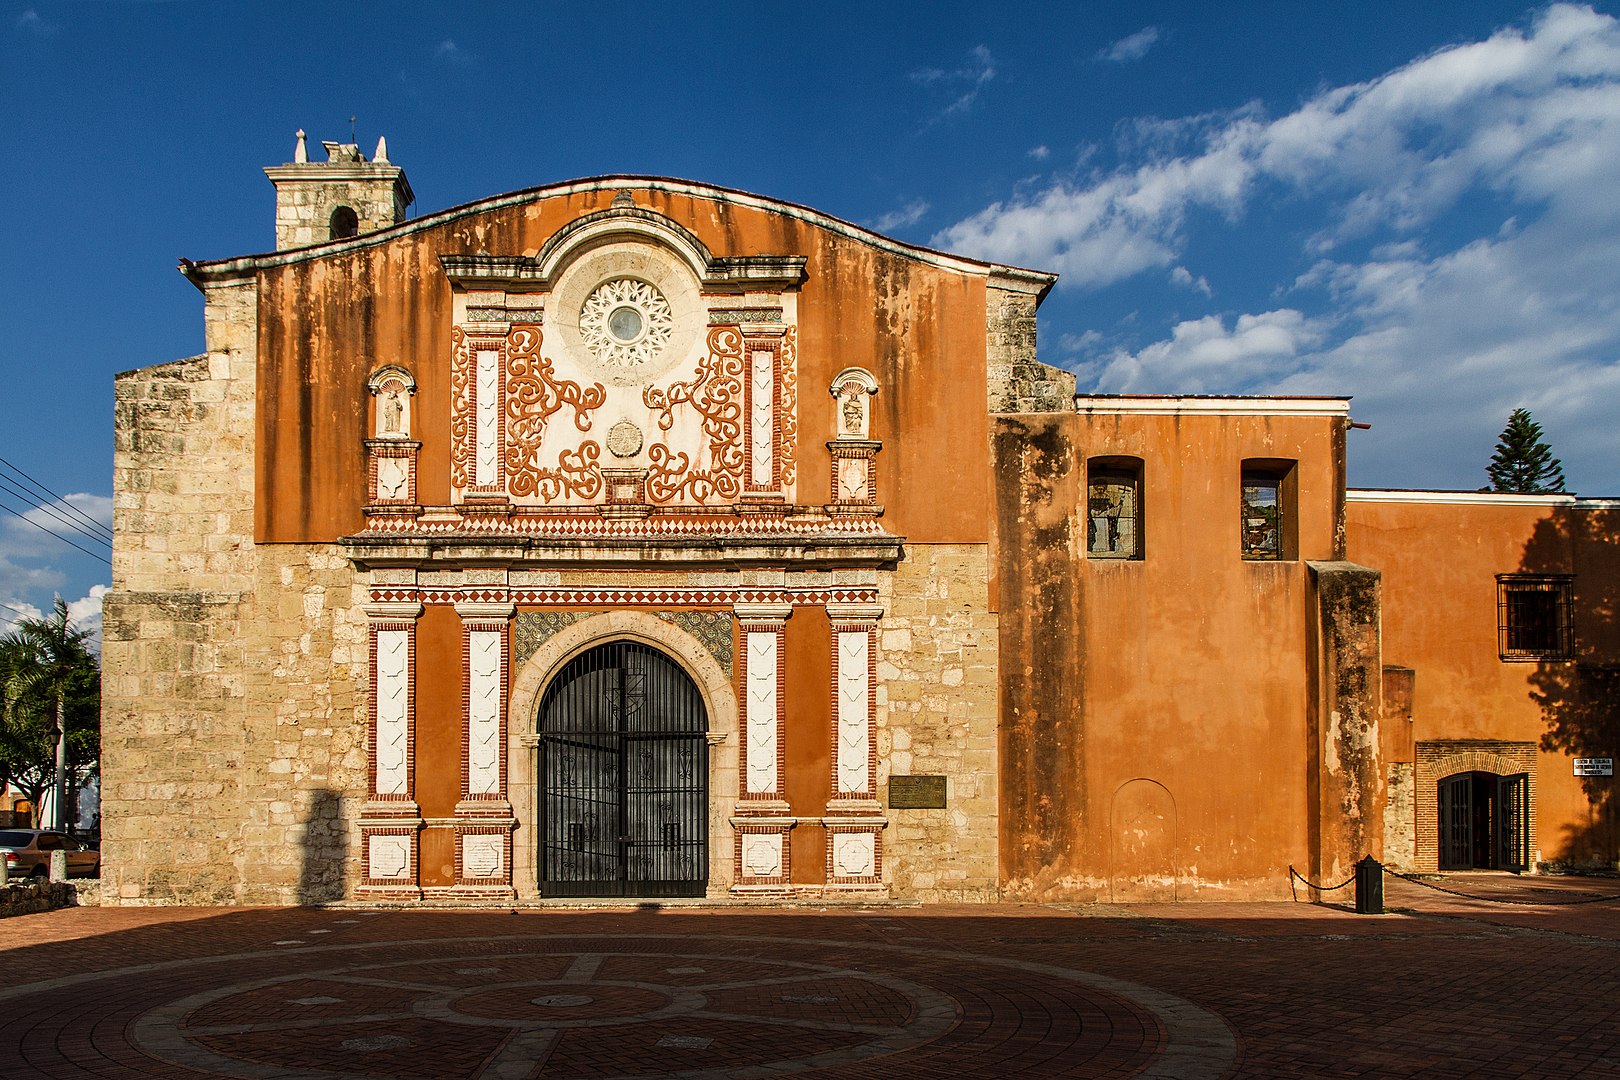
[624, 771]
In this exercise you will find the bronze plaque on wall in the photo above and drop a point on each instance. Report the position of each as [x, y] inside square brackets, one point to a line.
[916, 792]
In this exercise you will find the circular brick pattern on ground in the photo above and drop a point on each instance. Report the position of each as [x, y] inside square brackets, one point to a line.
[541, 1006]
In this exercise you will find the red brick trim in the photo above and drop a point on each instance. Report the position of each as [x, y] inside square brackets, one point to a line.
[1438, 759]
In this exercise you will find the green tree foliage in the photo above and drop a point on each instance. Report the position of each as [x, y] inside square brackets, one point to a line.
[1522, 462]
[48, 676]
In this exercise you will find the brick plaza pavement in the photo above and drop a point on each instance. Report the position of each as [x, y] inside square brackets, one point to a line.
[1445, 987]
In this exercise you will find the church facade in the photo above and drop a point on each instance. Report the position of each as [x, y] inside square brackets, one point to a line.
[633, 537]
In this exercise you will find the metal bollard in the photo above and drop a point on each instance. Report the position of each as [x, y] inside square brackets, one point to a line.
[5, 871]
[1369, 887]
[58, 866]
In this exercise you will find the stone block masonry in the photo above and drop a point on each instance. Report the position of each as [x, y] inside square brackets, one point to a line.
[233, 670]
[936, 707]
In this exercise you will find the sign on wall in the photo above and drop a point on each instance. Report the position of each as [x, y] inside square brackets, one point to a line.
[1594, 766]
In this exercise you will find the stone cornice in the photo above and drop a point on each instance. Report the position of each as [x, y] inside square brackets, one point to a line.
[203, 274]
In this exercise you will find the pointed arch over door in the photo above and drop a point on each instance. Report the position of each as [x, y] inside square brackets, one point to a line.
[623, 777]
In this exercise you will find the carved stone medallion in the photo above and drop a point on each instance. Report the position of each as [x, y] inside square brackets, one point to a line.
[624, 440]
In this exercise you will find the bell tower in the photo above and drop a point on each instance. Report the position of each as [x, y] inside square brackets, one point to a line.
[343, 196]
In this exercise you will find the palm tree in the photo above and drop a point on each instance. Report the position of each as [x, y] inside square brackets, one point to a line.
[46, 666]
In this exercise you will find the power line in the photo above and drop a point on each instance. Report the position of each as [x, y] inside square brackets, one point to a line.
[59, 536]
[18, 611]
[52, 512]
[81, 515]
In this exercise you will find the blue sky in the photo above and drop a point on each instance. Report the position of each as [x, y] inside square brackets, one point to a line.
[1412, 204]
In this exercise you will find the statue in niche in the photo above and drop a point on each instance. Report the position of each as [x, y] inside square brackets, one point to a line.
[852, 390]
[854, 413]
[393, 411]
[391, 388]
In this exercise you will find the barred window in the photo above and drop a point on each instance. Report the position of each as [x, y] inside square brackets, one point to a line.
[1114, 509]
[1533, 617]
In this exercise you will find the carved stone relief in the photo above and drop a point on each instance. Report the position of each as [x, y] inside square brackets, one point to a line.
[393, 697]
[483, 712]
[388, 856]
[481, 855]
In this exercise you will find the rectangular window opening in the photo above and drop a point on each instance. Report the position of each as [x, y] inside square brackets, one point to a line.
[1266, 519]
[1533, 617]
[1114, 508]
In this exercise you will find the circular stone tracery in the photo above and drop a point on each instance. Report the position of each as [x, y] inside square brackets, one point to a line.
[626, 323]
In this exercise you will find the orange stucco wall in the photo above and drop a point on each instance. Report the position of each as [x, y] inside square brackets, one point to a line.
[1155, 730]
[326, 323]
[808, 731]
[1440, 562]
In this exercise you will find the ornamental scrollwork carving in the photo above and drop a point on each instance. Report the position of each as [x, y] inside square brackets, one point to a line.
[717, 394]
[578, 474]
[788, 422]
[461, 410]
[534, 395]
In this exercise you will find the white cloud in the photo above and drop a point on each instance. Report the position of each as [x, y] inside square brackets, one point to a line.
[1184, 277]
[1203, 355]
[963, 83]
[1515, 114]
[1040, 153]
[31, 22]
[451, 53]
[909, 214]
[12, 608]
[32, 559]
[1133, 47]
[1437, 333]
[85, 613]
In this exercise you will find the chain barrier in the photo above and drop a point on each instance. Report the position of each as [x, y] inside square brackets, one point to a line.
[1295, 875]
[1500, 900]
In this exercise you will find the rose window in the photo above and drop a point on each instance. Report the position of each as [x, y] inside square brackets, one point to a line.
[625, 323]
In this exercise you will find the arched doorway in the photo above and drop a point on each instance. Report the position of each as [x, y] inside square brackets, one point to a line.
[623, 777]
[1484, 821]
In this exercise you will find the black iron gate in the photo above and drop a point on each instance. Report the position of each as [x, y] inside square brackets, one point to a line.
[624, 770]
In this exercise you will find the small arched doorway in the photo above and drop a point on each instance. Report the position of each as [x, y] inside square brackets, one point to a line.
[1484, 821]
[623, 777]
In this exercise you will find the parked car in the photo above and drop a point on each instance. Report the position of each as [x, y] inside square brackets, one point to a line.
[28, 853]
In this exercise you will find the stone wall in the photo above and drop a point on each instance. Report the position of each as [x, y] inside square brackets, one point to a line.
[936, 707]
[1400, 838]
[233, 698]
[172, 735]
[1020, 383]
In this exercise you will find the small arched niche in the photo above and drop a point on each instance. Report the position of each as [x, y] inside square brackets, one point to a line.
[391, 388]
[853, 389]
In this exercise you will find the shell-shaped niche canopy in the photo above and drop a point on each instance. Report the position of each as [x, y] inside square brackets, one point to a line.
[391, 388]
[853, 388]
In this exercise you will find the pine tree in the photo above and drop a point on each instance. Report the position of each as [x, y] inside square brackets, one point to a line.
[1522, 462]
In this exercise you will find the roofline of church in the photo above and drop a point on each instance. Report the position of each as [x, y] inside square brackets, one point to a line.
[212, 271]
[1477, 498]
[1214, 404]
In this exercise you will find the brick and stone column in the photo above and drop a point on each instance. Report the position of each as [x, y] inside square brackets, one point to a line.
[391, 821]
[484, 818]
[854, 821]
[763, 818]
